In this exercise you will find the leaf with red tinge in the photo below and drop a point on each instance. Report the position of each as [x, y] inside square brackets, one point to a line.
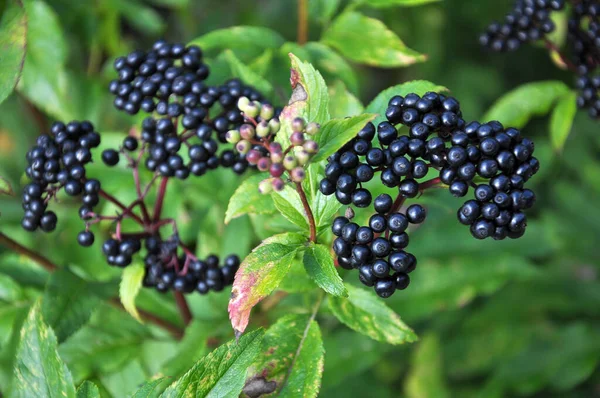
[260, 273]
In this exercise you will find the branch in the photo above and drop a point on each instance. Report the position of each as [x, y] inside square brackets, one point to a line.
[563, 58]
[161, 196]
[309, 213]
[302, 22]
[117, 202]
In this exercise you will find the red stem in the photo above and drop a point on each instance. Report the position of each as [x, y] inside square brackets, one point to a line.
[564, 59]
[120, 205]
[161, 197]
[309, 213]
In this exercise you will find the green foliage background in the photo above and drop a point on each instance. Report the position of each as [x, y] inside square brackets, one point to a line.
[512, 318]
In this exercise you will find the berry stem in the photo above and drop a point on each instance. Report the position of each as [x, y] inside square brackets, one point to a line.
[564, 59]
[184, 308]
[434, 182]
[161, 196]
[302, 36]
[51, 267]
[17, 247]
[116, 202]
[308, 211]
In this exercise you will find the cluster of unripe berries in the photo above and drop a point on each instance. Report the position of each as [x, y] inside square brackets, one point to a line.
[377, 250]
[255, 140]
[58, 161]
[186, 274]
[438, 144]
[528, 21]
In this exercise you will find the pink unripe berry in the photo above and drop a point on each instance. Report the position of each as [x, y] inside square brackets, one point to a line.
[312, 128]
[275, 147]
[297, 139]
[264, 164]
[253, 156]
[311, 147]
[247, 131]
[278, 184]
[276, 169]
[297, 174]
[243, 146]
[277, 157]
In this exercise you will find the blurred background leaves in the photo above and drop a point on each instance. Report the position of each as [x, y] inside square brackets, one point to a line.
[519, 318]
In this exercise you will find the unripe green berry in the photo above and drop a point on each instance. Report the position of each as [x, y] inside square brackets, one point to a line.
[297, 174]
[298, 124]
[243, 103]
[252, 110]
[289, 162]
[275, 125]
[278, 184]
[276, 157]
[302, 157]
[265, 186]
[312, 128]
[266, 112]
[297, 139]
[311, 147]
[262, 129]
[243, 146]
[247, 131]
[233, 136]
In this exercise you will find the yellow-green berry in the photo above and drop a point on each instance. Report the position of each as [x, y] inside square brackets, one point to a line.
[265, 186]
[243, 103]
[262, 129]
[311, 147]
[289, 162]
[247, 131]
[266, 112]
[298, 124]
[243, 146]
[312, 128]
[233, 136]
[275, 125]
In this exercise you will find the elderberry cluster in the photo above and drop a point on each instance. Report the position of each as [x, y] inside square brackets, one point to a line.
[255, 141]
[401, 159]
[58, 161]
[378, 250]
[528, 21]
[584, 37]
[166, 270]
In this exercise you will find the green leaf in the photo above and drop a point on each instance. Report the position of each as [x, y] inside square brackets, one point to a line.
[309, 100]
[331, 64]
[5, 187]
[246, 42]
[322, 10]
[343, 103]
[393, 3]
[335, 133]
[131, 284]
[67, 304]
[221, 373]
[13, 41]
[247, 75]
[380, 103]
[260, 273]
[39, 371]
[562, 119]
[426, 378]
[10, 291]
[290, 206]
[517, 107]
[140, 16]
[293, 356]
[367, 314]
[368, 41]
[88, 390]
[149, 389]
[248, 200]
[319, 266]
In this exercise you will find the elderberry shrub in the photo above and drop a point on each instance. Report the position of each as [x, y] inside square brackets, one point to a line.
[255, 140]
[57, 162]
[166, 270]
[528, 21]
[584, 39]
[401, 160]
[378, 250]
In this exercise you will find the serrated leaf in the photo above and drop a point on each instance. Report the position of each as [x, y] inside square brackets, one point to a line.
[290, 206]
[221, 373]
[336, 132]
[67, 304]
[426, 377]
[518, 106]
[343, 103]
[367, 314]
[248, 200]
[323, 207]
[319, 266]
[13, 41]
[380, 103]
[292, 356]
[393, 3]
[131, 284]
[149, 389]
[39, 371]
[562, 119]
[260, 273]
[246, 42]
[331, 64]
[88, 390]
[368, 41]
[247, 75]
[309, 100]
